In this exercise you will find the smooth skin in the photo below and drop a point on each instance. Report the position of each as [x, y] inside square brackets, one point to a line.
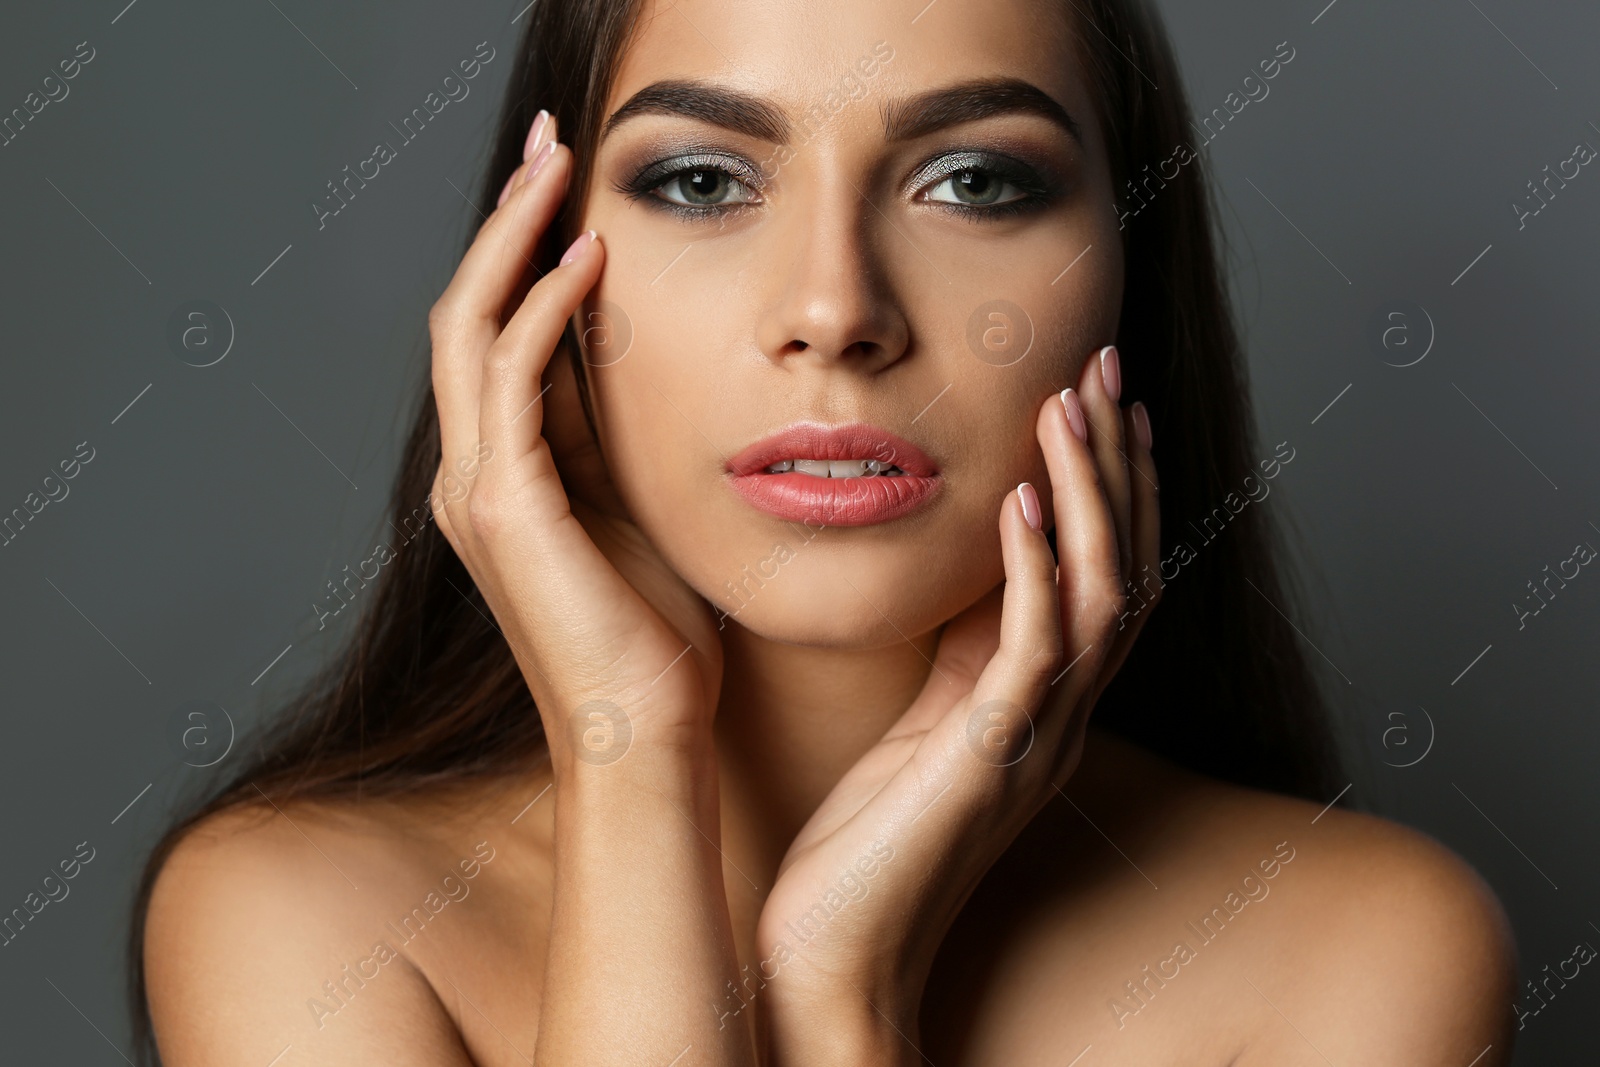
[900, 721]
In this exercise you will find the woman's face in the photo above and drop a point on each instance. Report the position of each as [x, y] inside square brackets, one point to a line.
[775, 255]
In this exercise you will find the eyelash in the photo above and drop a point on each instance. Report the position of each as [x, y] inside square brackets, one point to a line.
[643, 185]
[1036, 192]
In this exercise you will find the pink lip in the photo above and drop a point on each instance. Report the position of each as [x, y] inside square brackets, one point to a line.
[861, 501]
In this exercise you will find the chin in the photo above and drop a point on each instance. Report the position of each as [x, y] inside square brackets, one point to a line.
[828, 598]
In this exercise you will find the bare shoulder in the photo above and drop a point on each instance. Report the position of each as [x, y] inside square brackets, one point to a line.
[322, 927]
[1383, 945]
[1396, 951]
[1163, 916]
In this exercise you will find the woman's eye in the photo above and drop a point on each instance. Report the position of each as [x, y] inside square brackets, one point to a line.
[984, 185]
[976, 188]
[704, 187]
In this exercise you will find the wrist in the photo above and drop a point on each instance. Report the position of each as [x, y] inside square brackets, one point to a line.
[599, 744]
[848, 1030]
[652, 800]
[640, 794]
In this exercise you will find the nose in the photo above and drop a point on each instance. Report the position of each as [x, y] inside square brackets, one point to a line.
[831, 301]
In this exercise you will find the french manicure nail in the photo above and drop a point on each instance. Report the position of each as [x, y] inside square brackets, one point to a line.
[1030, 504]
[535, 132]
[507, 190]
[1069, 400]
[1111, 372]
[578, 246]
[539, 160]
[1141, 424]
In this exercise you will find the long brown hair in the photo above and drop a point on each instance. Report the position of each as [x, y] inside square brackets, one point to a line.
[426, 692]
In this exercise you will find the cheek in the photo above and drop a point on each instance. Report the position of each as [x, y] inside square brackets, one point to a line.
[655, 435]
[1022, 348]
[1044, 332]
[662, 393]
[1020, 317]
[664, 415]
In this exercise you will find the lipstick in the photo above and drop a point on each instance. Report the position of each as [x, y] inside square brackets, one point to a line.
[782, 475]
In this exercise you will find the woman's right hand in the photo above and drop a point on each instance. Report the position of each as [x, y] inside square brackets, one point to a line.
[621, 655]
[590, 610]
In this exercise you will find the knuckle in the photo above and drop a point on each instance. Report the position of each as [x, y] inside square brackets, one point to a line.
[485, 512]
[1110, 607]
[444, 318]
[544, 301]
[1034, 661]
[1049, 656]
[1112, 579]
[447, 528]
[500, 365]
[447, 489]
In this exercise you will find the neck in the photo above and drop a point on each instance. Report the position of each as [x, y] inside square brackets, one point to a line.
[792, 719]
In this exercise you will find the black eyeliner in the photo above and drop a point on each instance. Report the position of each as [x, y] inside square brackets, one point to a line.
[655, 174]
[1040, 189]
[949, 164]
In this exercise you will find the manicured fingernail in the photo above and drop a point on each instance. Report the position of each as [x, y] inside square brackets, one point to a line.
[583, 241]
[1111, 371]
[1030, 505]
[1141, 424]
[507, 190]
[540, 160]
[534, 133]
[1069, 400]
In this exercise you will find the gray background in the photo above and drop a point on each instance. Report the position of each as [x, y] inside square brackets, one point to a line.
[189, 550]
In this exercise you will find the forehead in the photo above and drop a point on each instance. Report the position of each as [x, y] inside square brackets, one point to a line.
[801, 52]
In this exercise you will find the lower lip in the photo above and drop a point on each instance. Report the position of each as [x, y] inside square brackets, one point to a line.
[863, 501]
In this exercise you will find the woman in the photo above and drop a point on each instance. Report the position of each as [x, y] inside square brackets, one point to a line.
[787, 526]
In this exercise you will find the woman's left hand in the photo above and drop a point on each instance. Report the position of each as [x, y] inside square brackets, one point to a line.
[875, 879]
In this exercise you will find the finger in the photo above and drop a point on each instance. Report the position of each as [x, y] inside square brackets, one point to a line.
[518, 259]
[511, 408]
[459, 342]
[482, 284]
[1144, 582]
[1007, 695]
[1146, 495]
[542, 131]
[466, 319]
[1100, 385]
[1091, 585]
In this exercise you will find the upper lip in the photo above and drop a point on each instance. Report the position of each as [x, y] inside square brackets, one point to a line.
[816, 440]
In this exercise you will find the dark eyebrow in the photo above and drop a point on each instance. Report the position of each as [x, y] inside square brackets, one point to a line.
[903, 120]
[728, 108]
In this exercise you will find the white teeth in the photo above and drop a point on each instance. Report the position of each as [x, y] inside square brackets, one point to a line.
[835, 468]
